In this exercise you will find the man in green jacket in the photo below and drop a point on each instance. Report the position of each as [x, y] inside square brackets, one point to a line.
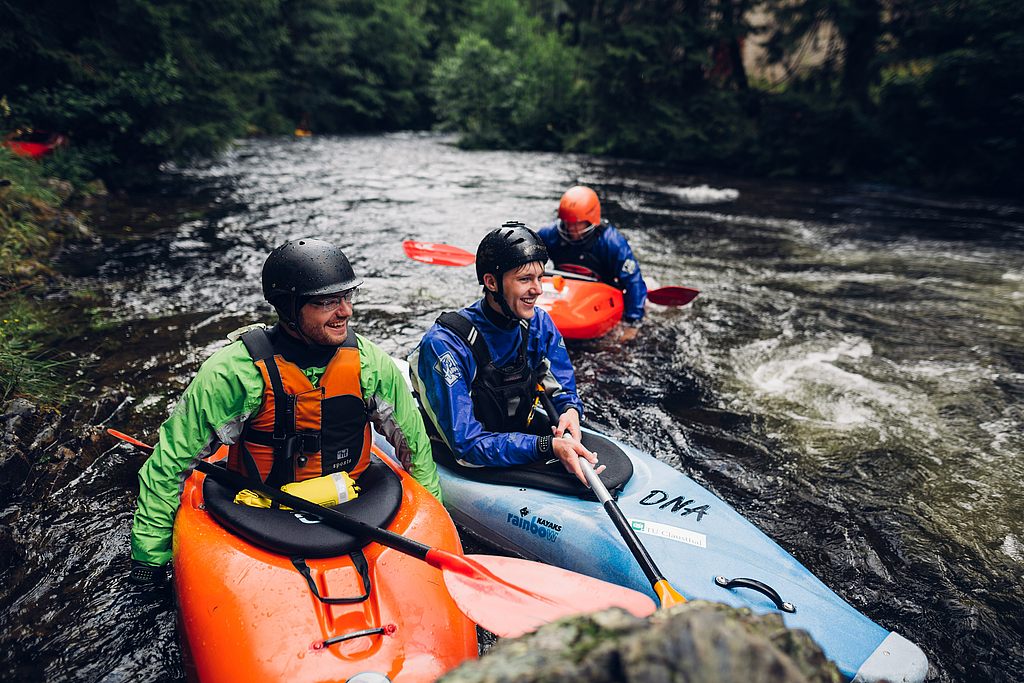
[311, 362]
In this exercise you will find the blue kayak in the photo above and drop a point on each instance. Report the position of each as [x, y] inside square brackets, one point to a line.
[705, 549]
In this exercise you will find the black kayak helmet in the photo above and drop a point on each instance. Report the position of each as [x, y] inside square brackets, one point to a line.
[301, 269]
[510, 246]
[507, 248]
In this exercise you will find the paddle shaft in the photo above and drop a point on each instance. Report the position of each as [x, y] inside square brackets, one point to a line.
[130, 439]
[632, 541]
[488, 589]
[668, 595]
[338, 520]
[439, 254]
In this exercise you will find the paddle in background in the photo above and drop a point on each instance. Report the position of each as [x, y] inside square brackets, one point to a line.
[448, 255]
[505, 595]
[667, 595]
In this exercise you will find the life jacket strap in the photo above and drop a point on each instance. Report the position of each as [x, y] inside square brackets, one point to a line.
[307, 442]
[284, 439]
[503, 397]
[467, 332]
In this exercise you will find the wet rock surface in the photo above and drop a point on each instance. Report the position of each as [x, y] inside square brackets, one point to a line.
[42, 448]
[698, 642]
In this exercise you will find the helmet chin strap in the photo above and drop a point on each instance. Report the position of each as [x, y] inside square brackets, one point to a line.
[298, 332]
[499, 295]
[292, 323]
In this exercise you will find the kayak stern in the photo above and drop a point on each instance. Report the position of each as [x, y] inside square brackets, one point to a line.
[896, 660]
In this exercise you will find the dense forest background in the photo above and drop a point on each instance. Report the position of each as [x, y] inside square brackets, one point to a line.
[914, 92]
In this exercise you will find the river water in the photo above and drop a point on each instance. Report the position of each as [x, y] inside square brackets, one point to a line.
[851, 377]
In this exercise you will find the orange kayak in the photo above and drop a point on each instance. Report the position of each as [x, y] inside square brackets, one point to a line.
[581, 309]
[247, 612]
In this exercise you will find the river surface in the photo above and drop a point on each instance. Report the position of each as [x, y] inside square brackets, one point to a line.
[851, 377]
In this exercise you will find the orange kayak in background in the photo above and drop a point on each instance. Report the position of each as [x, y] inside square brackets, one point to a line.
[581, 309]
[247, 612]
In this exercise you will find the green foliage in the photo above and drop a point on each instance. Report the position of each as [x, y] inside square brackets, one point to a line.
[354, 65]
[911, 91]
[914, 92]
[26, 367]
[24, 203]
[135, 83]
[509, 82]
[955, 111]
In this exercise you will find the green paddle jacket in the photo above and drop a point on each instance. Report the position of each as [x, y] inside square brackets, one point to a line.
[226, 391]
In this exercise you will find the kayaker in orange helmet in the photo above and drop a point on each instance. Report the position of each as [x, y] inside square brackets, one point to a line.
[292, 402]
[580, 241]
[477, 370]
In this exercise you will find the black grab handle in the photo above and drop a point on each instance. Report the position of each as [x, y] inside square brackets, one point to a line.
[754, 584]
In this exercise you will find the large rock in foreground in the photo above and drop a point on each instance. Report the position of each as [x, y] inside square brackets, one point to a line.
[698, 642]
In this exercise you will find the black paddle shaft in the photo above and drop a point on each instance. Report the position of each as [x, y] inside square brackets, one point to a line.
[338, 520]
[643, 558]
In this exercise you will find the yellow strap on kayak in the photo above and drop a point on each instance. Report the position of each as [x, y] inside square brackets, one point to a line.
[328, 491]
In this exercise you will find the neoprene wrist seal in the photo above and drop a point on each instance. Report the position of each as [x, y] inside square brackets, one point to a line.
[146, 574]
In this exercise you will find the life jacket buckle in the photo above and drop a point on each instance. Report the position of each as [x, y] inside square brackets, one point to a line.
[310, 443]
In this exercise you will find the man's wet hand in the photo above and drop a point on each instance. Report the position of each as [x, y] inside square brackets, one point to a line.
[568, 424]
[569, 451]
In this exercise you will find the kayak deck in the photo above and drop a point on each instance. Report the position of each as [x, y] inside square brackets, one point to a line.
[698, 541]
[235, 597]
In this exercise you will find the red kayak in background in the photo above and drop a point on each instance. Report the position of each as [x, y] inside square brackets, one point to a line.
[34, 144]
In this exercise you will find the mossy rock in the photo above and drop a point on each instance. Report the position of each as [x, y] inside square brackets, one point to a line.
[697, 642]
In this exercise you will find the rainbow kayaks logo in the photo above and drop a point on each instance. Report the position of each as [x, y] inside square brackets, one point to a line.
[538, 526]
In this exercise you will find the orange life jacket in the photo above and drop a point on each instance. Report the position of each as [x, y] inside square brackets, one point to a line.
[303, 431]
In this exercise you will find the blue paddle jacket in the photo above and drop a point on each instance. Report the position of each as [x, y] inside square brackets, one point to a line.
[607, 253]
[443, 369]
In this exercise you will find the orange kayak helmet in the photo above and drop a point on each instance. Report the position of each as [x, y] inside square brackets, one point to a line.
[579, 203]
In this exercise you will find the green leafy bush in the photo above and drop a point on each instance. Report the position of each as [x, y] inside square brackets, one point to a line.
[509, 82]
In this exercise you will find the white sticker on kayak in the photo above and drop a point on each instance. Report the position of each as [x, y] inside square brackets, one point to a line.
[672, 533]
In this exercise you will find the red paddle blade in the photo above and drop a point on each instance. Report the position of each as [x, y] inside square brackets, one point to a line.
[510, 597]
[437, 254]
[672, 296]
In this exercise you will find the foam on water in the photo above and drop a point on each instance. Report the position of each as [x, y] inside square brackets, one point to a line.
[704, 194]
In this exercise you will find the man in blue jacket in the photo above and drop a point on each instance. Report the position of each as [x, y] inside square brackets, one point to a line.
[477, 371]
[578, 241]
